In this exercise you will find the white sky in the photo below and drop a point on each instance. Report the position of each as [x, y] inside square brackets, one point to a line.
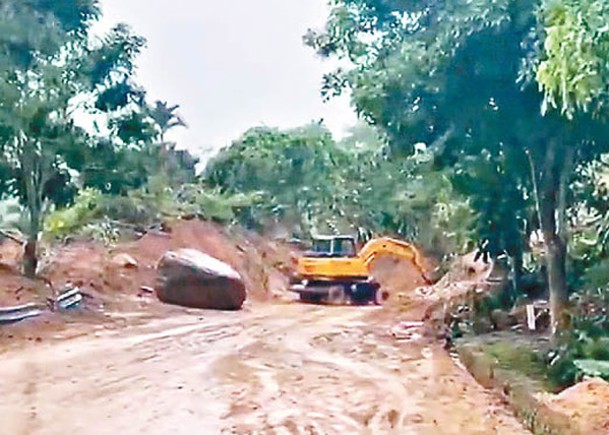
[232, 64]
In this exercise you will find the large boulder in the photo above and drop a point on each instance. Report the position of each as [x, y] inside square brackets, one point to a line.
[193, 279]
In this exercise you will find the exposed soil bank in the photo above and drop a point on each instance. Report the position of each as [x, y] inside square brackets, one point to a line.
[112, 279]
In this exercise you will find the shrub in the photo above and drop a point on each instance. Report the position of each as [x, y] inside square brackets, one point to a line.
[62, 223]
[587, 339]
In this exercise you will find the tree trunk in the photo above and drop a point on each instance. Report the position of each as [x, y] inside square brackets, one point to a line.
[557, 281]
[34, 182]
[517, 267]
[556, 249]
[30, 257]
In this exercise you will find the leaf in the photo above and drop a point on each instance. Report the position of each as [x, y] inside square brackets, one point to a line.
[594, 368]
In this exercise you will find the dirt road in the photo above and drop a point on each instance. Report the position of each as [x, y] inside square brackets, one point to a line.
[286, 368]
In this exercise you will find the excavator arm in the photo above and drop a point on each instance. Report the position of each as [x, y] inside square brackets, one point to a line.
[397, 248]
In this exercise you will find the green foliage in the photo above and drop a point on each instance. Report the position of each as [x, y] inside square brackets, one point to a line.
[595, 276]
[98, 216]
[212, 204]
[53, 70]
[430, 72]
[589, 220]
[39, 27]
[12, 215]
[297, 170]
[165, 117]
[586, 339]
[56, 72]
[520, 358]
[62, 223]
[573, 71]
[594, 368]
[314, 185]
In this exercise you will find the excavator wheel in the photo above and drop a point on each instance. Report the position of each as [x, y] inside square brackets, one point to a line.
[362, 293]
[337, 295]
[380, 296]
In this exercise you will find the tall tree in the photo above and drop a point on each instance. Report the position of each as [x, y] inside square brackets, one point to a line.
[49, 63]
[462, 76]
[166, 118]
[318, 185]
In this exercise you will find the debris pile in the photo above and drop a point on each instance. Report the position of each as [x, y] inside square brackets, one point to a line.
[468, 278]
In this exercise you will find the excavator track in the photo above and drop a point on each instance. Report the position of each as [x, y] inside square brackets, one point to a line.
[340, 292]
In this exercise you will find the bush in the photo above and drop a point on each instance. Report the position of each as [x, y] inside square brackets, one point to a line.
[594, 368]
[95, 215]
[130, 209]
[65, 222]
[587, 339]
[214, 205]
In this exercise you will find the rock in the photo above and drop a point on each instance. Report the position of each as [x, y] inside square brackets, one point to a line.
[503, 321]
[193, 279]
[407, 331]
[125, 260]
[482, 326]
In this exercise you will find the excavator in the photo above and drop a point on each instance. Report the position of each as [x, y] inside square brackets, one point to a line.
[335, 272]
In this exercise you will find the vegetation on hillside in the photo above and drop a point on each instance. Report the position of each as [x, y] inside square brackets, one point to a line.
[314, 185]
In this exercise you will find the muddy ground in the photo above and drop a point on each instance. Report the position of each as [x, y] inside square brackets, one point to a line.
[127, 364]
[274, 368]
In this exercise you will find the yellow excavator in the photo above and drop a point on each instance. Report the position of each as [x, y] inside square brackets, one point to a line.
[334, 271]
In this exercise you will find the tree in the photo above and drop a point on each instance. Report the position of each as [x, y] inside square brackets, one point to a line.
[49, 63]
[431, 72]
[320, 186]
[166, 118]
[296, 168]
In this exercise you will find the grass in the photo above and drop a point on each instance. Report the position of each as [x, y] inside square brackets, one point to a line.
[523, 359]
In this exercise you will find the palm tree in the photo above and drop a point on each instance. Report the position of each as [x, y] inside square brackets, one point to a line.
[166, 118]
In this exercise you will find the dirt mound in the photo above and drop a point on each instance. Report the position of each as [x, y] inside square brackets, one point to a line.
[402, 279]
[130, 267]
[10, 253]
[260, 262]
[17, 290]
[586, 404]
[81, 264]
[14, 288]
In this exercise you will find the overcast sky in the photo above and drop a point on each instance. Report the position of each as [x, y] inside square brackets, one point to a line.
[231, 64]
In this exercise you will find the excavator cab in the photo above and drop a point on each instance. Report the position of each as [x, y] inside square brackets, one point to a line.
[333, 247]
